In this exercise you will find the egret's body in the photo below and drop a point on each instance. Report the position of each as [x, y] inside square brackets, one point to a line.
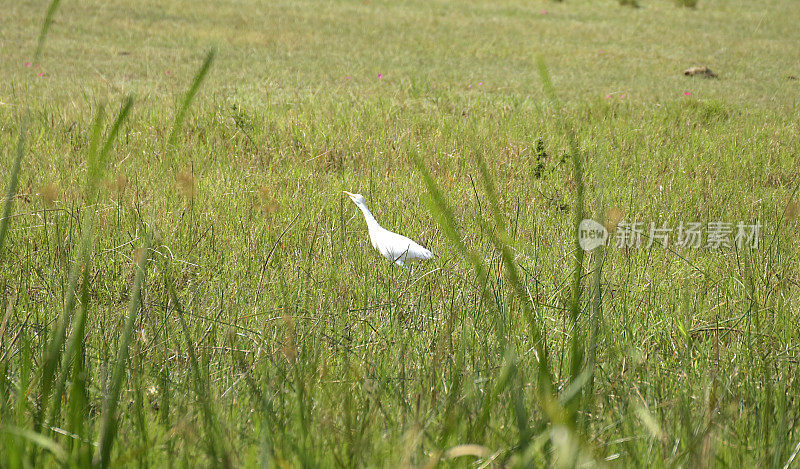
[397, 248]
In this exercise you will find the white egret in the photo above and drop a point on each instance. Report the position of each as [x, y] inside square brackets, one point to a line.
[397, 248]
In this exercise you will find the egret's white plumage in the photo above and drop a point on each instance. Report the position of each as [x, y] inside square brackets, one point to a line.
[397, 248]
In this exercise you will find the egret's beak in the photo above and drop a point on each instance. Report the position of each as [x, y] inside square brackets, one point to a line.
[348, 193]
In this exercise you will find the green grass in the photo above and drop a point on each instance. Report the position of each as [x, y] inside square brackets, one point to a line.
[182, 282]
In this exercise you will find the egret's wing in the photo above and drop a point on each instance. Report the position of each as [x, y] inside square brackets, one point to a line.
[401, 247]
[415, 251]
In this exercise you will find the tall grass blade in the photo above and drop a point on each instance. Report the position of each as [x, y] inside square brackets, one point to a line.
[99, 161]
[48, 20]
[23, 131]
[96, 160]
[79, 392]
[56, 341]
[447, 220]
[96, 164]
[38, 440]
[596, 318]
[108, 428]
[548, 400]
[8, 206]
[545, 390]
[190, 94]
[75, 342]
[500, 384]
[502, 242]
[577, 341]
[216, 446]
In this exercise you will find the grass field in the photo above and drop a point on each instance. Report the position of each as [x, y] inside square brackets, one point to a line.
[197, 291]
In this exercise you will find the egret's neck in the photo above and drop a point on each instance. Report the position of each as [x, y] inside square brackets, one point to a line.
[372, 223]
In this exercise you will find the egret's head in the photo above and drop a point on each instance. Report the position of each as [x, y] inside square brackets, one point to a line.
[358, 199]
